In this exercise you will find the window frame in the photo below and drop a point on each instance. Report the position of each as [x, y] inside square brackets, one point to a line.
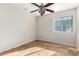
[62, 17]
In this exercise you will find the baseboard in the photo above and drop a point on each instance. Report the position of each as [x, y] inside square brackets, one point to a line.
[34, 40]
[58, 43]
[16, 45]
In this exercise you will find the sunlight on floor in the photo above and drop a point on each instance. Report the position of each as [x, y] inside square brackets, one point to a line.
[25, 52]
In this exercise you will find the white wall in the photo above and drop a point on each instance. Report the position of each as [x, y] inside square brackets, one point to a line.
[16, 27]
[45, 28]
[78, 28]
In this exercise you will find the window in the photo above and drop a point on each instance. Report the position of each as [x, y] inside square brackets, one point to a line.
[63, 24]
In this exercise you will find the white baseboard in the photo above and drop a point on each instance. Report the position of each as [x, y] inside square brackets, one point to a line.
[57, 42]
[18, 44]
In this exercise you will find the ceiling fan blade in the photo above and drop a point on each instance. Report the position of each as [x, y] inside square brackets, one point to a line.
[49, 10]
[34, 10]
[36, 4]
[48, 4]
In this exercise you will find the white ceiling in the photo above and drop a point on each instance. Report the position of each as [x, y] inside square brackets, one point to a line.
[56, 7]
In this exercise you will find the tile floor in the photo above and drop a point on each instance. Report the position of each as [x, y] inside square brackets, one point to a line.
[41, 48]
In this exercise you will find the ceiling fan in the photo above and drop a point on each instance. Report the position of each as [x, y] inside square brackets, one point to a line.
[42, 8]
